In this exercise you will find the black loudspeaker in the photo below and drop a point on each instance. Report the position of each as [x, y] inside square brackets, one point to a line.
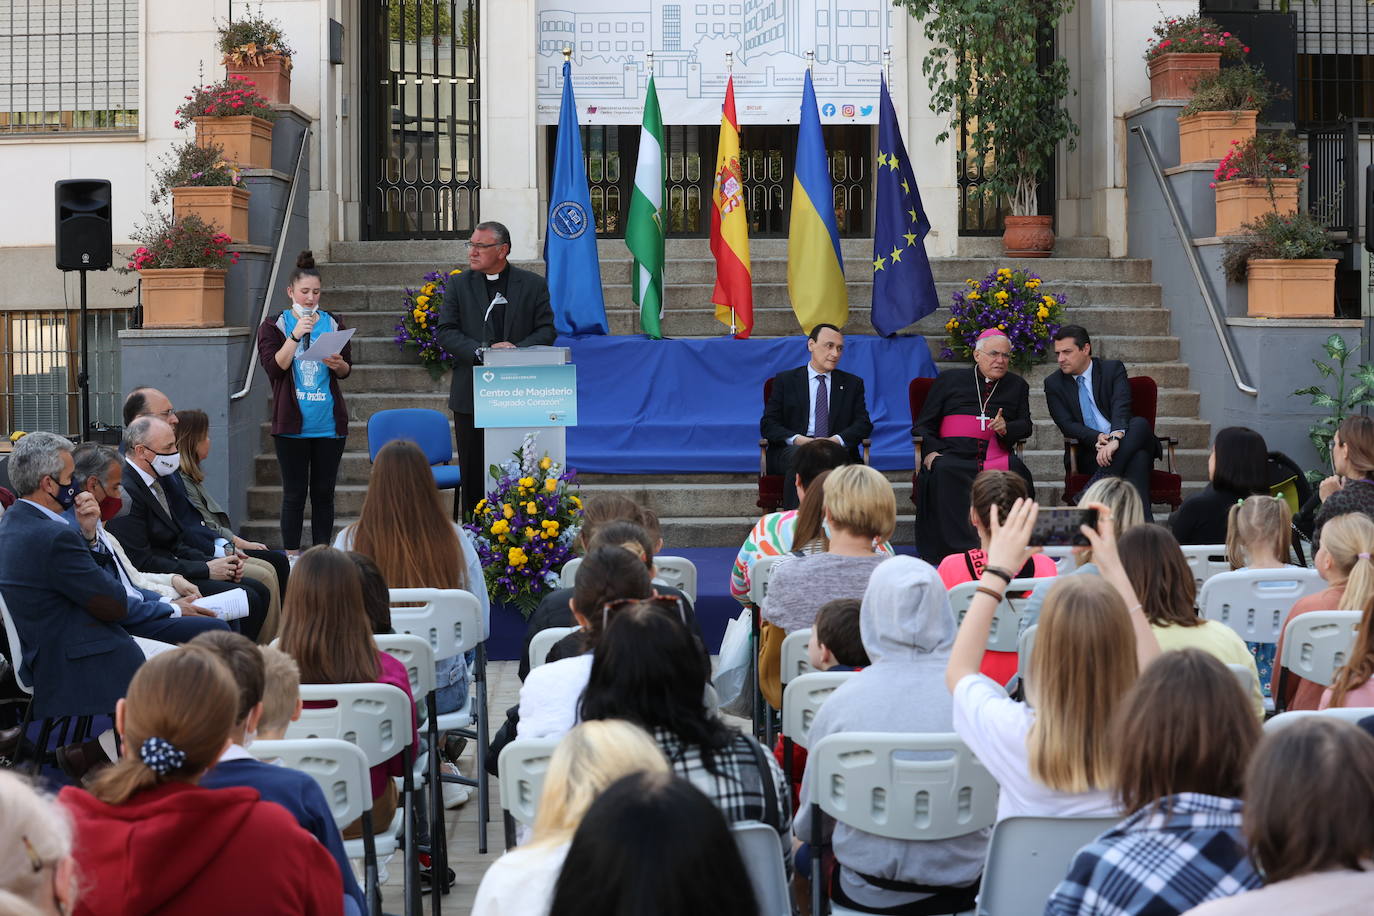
[84, 239]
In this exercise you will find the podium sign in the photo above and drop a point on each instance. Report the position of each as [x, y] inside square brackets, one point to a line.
[524, 396]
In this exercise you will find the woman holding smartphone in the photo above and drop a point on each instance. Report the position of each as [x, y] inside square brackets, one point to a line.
[309, 418]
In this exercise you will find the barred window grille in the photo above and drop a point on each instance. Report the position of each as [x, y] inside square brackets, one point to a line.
[68, 66]
[40, 355]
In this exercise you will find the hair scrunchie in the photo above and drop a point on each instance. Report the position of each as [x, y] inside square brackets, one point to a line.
[161, 756]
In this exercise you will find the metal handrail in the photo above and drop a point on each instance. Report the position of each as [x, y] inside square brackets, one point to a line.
[1238, 373]
[293, 184]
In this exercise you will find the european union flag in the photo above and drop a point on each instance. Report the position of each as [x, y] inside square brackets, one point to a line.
[573, 267]
[903, 286]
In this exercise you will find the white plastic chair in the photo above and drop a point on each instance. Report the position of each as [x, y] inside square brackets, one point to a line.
[898, 786]
[1028, 857]
[1245, 677]
[1315, 645]
[522, 766]
[377, 718]
[567, 577]
[1025, 645]
[339, 767]
[801, 699]
[1352, 714]
[761, 849]
[1005, 633]
[544, 641]
[680, 573]
[1206, 561]
[759, 575]
[1254, 602]
[451, 620]
[796, 661]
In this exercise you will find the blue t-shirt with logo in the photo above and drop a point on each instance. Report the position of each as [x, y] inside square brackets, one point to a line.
[311, 376]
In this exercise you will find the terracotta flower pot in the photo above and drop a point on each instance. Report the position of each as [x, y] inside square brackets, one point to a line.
[225, 207]
[1291, 289]
[247, 140]
[272, 79]
[1173, 76]
[183, 297]
[1028, 236]
[1210, 134]
[1245, 199]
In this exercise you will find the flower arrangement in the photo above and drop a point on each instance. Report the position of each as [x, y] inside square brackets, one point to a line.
[1263, 157]
[420, 318]
[1011, 300]
[190, 165]
[229, 98]
[250, 39]
[1283, 236]
[525, 528]
[1194, 35]
[1239, 88]
[175, 243]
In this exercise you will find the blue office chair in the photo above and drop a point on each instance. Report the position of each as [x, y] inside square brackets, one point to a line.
[428, 429]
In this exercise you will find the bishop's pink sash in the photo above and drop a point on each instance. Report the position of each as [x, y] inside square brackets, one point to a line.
[966, 426]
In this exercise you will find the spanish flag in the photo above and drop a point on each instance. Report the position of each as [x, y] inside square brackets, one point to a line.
[815, 270]
[733, 296]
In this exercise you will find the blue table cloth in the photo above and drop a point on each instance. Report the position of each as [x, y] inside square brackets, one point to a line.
[693, 406]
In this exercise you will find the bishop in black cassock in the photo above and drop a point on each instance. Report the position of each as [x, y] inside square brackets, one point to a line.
[972, 420]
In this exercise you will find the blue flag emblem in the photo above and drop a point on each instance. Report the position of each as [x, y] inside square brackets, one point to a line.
[573, 266]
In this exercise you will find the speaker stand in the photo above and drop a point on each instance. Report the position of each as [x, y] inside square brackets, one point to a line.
[83, 377]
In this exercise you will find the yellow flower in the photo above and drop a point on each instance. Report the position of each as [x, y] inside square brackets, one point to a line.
[550, 484]
[500, 526]
[418, 314]
[1042, 312]
[526, 481]
[455, 272]
[550, 526]
[974, 295]
[1002, 327]
[427, 289]
[972, 284]
[1002, 296]
[546, 463]
[481, 504]
[531, 507]
[501, 539]
[1048, 300]
[529, 533]
[507, 511]
[575, 501]
[422, 301]
[1032, 283]
[1004, 271]
[516, 557]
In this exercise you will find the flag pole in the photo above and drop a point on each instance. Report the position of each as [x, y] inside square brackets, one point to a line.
[810, 60]
[887, 66]
[729, 73]
[567, 54]
[651, 63]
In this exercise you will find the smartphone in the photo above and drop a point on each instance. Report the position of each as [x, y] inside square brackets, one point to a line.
[1059, 526]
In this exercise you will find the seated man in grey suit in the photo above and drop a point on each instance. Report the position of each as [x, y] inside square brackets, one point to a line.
[67, 610]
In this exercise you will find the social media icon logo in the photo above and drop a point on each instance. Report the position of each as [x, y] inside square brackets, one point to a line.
[828, 109]
[847, 111]
[866, 110]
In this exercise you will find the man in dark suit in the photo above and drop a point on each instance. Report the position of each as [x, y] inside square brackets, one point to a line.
[815, 401]
[67, 610]
[1090, 400]
[492, 306]
[150, 402]
[155, 540]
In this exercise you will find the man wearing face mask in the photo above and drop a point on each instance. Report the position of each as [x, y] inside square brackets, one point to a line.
[150, 402]
[66, 608]
[153, 538]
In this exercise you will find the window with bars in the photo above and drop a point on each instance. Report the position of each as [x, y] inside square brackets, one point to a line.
[68, 66]
[41, 352]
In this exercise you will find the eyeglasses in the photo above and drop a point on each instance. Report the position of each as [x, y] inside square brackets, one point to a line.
[482, 245]
[161, 414]
[663, 601]
[997, 356]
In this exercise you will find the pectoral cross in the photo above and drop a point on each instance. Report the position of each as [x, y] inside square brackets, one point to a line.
[983, 421]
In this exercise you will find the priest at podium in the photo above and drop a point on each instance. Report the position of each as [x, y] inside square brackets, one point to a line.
[972, 420]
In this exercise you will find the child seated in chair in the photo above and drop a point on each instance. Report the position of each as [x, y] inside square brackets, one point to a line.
[295, 791]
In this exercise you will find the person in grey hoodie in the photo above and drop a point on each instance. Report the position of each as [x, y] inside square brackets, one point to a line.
[907, 628]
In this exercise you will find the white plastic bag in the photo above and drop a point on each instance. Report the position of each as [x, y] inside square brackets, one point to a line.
[736, 662]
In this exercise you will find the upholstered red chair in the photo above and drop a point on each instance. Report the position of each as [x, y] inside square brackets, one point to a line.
[1165, 486]
[770, 485]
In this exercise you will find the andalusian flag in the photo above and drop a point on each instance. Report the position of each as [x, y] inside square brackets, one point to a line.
[815, 270]
[644, 227]
[733, 296]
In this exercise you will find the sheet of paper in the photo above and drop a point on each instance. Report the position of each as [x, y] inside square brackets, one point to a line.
[230, 605]
[327, 344]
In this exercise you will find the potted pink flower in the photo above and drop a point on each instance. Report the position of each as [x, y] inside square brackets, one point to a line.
[1184, 50]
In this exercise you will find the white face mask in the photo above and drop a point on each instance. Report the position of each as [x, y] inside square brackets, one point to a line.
[164, 465]
[302, 311]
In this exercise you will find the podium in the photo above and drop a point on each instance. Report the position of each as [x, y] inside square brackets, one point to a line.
[519, 391]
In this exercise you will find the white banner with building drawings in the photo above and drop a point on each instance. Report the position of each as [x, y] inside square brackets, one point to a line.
[611, 40]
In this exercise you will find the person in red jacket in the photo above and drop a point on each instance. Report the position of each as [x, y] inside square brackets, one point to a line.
[149, 839]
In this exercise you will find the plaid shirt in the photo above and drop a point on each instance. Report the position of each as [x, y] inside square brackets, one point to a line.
[739, 785]
[1157, 864]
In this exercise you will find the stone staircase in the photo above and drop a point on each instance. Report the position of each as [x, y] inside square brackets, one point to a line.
[1114, 298]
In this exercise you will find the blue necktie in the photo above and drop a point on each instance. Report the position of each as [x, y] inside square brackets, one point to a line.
[822, 409]
[1091, 416]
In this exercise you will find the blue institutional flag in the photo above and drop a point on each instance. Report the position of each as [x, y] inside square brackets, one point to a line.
[574, 270]
[903, 286]
[815, 270]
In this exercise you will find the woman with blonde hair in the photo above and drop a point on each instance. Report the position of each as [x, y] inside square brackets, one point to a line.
[37, 872]
[588, 759]
[1343, 560]
[1259, 536]
[150, 839]
[1053, 756]
[404, 528]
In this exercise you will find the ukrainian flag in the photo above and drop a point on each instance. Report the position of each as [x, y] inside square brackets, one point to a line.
[815, 270]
